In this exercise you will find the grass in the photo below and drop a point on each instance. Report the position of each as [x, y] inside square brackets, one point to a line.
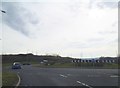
[67, 65]
[32, 62]
[0, 78]
[80, 65]
[71, 65]
[57, 65]
[9, 79]
[111, 65]
[6, 64]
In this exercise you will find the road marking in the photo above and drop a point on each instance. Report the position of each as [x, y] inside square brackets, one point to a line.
[78, 82]
[63, 75]
[107, 74]
[114, 76]
[68, 74]
[19, 80]
[93, 75]
[84, 84]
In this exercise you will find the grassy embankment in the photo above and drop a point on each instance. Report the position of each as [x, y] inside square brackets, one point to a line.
[71, 65]
[0, 78]
[81, 65]
[9, 79]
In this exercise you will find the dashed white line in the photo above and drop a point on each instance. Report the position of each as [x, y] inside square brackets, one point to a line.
[114, 76]
[84, 84]
[93, 75]
[63, 75]
[68, 74]
[78, 82]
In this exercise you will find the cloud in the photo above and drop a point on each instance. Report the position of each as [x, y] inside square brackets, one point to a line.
[108, 32]
[18, 17]
[103, 4]
[96, 39]
[64, 28]
[108, 4]
[115, 24]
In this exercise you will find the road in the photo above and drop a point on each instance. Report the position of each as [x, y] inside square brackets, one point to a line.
[35, 76]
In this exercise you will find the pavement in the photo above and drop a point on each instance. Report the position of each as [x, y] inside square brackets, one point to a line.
[35, 76]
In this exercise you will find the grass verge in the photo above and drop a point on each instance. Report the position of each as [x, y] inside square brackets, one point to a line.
[9, 79]
[82, 65]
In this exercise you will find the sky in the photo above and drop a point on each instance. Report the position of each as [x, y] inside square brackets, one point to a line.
[73, 28]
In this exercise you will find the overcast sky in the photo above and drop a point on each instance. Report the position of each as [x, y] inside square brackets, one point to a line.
[75, 28]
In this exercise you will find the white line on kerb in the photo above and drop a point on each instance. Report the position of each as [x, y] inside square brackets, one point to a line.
[19, 80]
[84, 84]
[63, 75]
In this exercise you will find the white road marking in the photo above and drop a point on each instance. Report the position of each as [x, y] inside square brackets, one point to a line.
[84, 84]
[19, 80]
[93, 75]
[68, 74]
[114, 76]
[78, 82]
[63, 75]
[107, 74]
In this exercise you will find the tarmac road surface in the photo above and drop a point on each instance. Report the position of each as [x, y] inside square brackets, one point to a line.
[35, 76]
